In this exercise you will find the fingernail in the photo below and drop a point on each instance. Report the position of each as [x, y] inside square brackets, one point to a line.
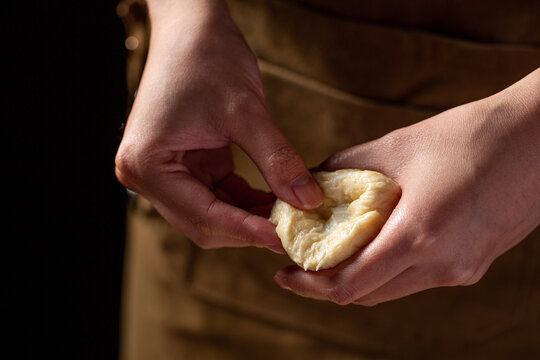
[307, 191]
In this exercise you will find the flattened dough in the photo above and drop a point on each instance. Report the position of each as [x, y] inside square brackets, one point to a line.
[356, 205]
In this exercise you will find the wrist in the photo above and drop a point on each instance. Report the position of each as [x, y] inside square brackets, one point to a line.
[179, 14]
[514, 113]
[506, 126]
[511, 123]
[181, 26]
[520, 102]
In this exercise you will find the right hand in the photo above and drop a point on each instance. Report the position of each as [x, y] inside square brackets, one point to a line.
[470, 181]
[200, 92]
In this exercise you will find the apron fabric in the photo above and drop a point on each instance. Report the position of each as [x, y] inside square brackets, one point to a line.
[336, 74]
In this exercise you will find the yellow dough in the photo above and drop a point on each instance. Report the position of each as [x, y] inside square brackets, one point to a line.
[356, 205]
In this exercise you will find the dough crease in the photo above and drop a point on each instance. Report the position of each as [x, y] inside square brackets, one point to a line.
[357, 203]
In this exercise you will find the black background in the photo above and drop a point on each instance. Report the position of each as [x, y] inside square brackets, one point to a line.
[64, 72]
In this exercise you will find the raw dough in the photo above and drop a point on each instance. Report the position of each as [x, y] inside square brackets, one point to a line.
[356, 205]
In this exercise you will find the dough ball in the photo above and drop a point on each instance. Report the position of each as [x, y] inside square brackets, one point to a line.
[356, 205]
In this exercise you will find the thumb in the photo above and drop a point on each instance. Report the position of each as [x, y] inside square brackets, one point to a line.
[282, 167]
[384, 155]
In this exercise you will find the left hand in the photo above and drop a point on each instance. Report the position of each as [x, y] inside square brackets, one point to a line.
[470, 180]
[200, 92]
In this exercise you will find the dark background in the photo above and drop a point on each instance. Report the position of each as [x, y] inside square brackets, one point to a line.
[64, 65]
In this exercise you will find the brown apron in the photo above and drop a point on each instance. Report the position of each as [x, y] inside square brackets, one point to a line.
[336, 74]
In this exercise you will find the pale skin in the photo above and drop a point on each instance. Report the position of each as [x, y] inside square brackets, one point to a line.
[470, 180]
[470, 177]
[201, 92]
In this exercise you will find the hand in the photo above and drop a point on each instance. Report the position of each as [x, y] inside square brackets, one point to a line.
[470, 180]
[200, 92]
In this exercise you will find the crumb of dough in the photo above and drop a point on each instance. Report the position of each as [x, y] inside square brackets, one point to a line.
[357, 203]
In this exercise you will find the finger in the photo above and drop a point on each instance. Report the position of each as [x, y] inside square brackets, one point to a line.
[223, 196]
[191, 207]
[242, 194]
[209, 165]
[379, 262]
[418, 278]
[280, 164]
[410, 281]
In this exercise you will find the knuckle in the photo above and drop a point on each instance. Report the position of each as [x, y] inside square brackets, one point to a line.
[340, 295]
[473, 280]
[475, 276]
[125, 165]
[245, 103]
[427, 234]
[421, 241]
[135, 163]
[451, 267]
[281, 155]
[201, 231]
[459, 273]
